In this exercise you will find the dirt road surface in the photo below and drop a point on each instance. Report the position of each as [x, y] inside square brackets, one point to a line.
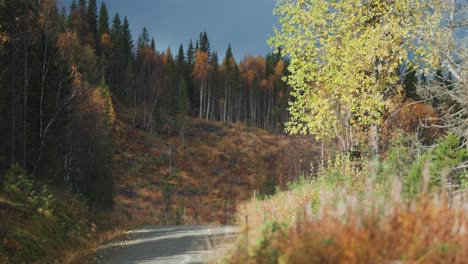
[172, 244]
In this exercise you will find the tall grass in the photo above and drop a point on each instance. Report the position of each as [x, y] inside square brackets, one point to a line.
[347, 215]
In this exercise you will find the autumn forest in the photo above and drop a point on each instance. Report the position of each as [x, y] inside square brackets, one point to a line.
[64, 69]
[350, 135]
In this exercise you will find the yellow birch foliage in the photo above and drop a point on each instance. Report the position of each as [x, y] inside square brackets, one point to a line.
[344, 56]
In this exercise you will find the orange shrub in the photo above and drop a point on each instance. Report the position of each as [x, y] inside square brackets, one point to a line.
[427, 230]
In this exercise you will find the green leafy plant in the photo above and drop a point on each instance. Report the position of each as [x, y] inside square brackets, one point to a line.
[439, 167]
[29, 193]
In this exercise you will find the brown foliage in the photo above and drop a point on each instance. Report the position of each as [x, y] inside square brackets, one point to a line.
[410, 116]
[428, 230]
[106, 41]
[279, 69]
[66, 42]
[201, 68]
[250, 67]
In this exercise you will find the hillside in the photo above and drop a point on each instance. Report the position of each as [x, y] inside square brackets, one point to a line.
[159, 178]
[200, 176]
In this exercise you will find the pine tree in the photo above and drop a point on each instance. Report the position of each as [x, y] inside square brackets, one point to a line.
[116, 28]
[143, 39]
[189, 74]
[127, 40]
[228, 57]
[204, 43]
[116, 65]
[190, 54]
[153, 44]
[73, 6]
[180, 59]
[77, 20]
[92, 21]
[81, 22]
[103, 20]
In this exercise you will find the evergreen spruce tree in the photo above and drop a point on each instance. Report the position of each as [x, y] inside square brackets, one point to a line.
[77, 19]
[190, 54]
[81, 21]
[189, 73]
[116, 28]
[116, 65]
[228, 57]
[153, 44]
[143, 39]
[92, 21]
[127, 41]
[214, 61]
[204, 43]
[116, 34]
[180, 59]
[73, 6]
[103, 20]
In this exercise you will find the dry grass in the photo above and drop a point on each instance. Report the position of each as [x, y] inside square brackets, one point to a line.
[428, 230]
[111, 226]
[201, 177]
[349, 220]
[310, 193]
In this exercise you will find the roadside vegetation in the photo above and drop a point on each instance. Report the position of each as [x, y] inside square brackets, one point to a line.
[387, 90]
[41, 223]
[407, 211]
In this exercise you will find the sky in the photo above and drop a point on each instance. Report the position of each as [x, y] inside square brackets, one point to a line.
[245, 24]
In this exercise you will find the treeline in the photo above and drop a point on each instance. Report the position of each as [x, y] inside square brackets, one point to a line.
[192, 82]
[62, 71]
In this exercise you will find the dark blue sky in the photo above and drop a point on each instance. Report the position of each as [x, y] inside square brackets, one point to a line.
[246, 24]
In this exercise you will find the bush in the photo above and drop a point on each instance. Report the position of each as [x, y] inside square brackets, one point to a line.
[426, 230]
[438, 167]
[38, 222]
[345, 214]
[18, 187]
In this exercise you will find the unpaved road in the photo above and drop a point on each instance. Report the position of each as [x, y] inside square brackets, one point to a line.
[172, 244]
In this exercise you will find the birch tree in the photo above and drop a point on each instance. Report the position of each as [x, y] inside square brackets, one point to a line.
[344, 59]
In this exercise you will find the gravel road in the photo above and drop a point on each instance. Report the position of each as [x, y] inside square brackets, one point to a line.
[172, 244]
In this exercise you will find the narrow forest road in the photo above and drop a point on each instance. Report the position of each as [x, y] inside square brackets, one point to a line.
[172, 244]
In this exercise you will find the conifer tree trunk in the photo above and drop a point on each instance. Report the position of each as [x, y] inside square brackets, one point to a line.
[225, 99]
[13, 107]
[25, 96]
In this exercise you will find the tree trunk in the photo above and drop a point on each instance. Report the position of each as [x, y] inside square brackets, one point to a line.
[374, 144]
[225, 99]
[25, 97]
[13, 108]
[200, 108]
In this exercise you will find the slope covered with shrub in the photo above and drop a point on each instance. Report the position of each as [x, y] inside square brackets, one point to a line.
[199, 172]
[400, 210]
[40, 223]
